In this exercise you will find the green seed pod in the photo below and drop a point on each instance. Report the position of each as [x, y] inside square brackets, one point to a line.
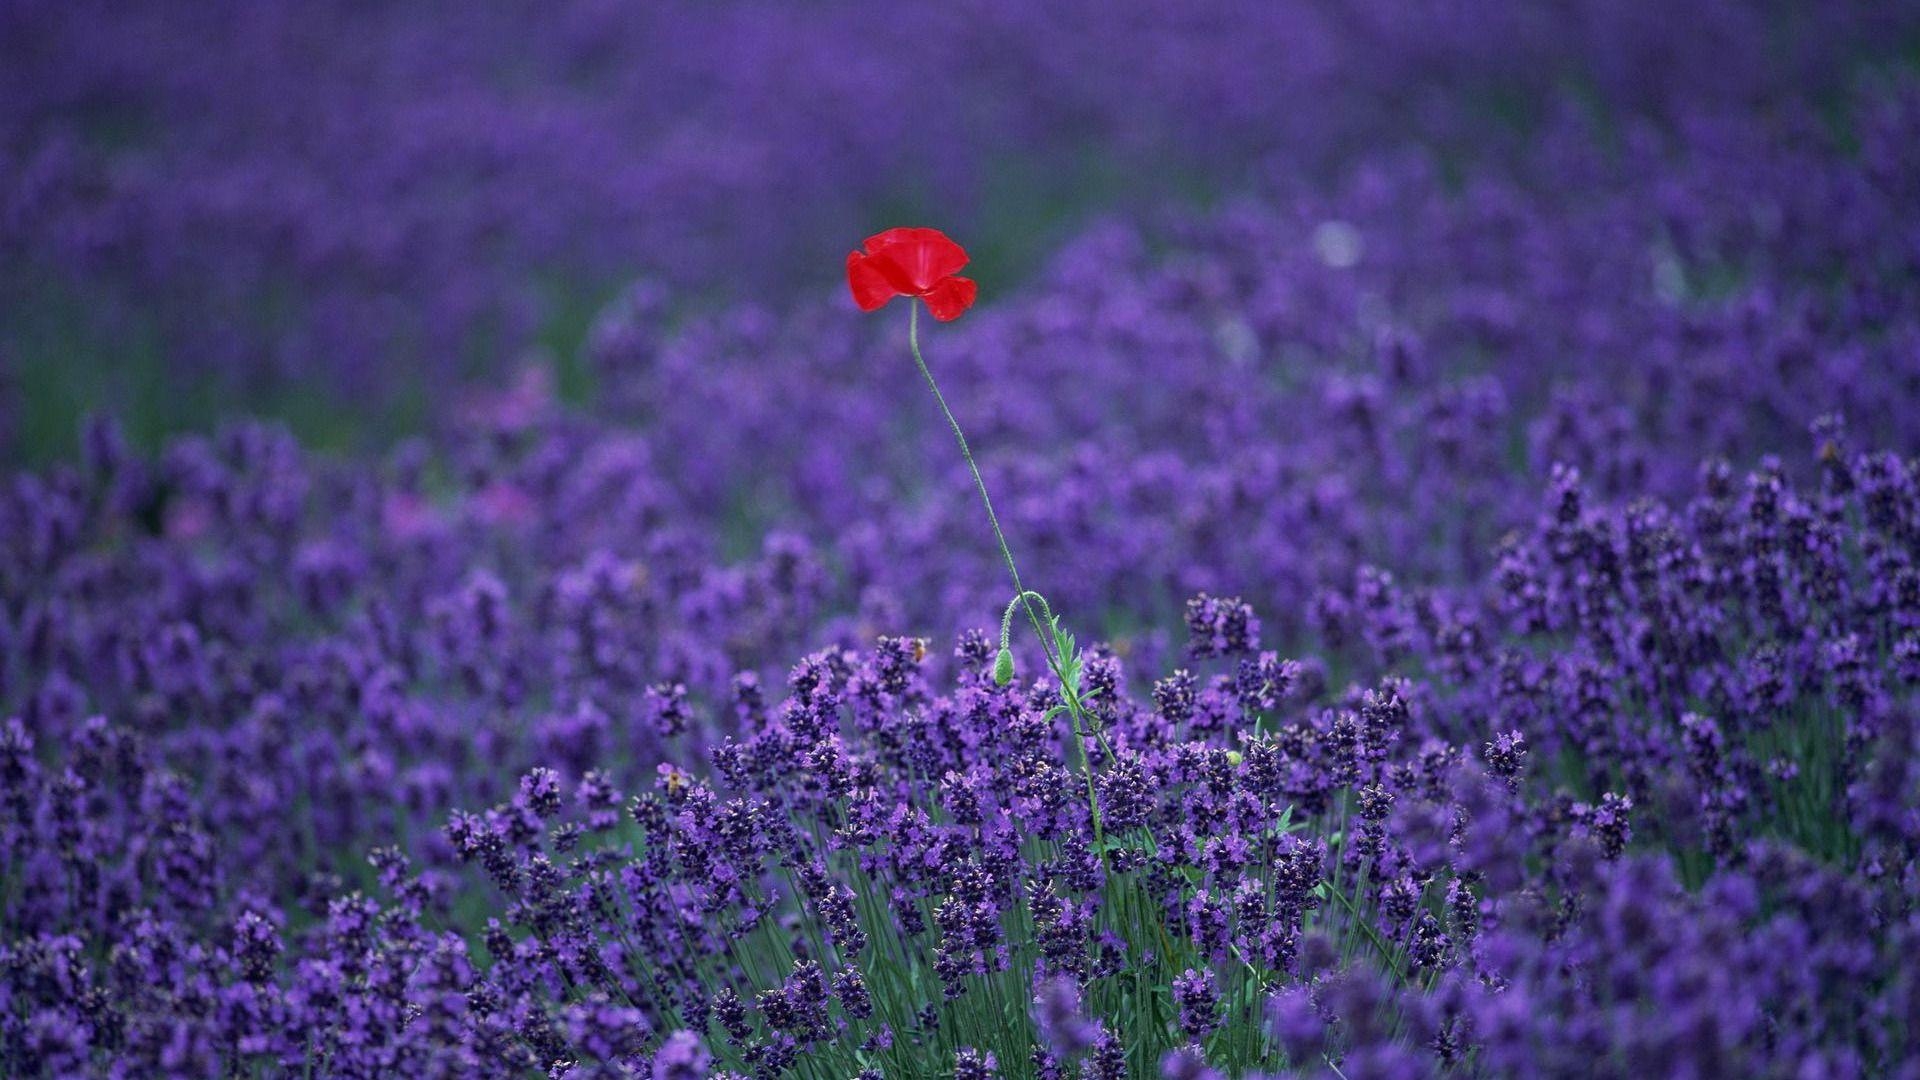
[1003, 667]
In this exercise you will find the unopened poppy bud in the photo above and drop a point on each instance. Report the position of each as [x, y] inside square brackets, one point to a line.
[1003, 667]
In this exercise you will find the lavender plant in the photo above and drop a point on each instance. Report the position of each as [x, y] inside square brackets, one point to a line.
[245, 197]
[872, 875]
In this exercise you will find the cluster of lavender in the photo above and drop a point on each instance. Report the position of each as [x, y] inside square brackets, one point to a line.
[1647, 808]
[344, 651]
[1740, 665]
[336, 656]
[275, 192]
[1265, 397]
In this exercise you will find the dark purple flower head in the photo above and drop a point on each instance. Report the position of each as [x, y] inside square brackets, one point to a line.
[1063, 1027]
[1197, 995]
[1221, 627]
[681, 1057]
[971, 1064]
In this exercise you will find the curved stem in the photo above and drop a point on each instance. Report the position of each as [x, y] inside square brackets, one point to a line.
[1021, 593]
[1006, 553]
[1006, 619]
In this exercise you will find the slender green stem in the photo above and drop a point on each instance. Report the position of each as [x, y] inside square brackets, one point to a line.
[1366, 927]
[1006, 553]
[1006, 619]
[1021, 595]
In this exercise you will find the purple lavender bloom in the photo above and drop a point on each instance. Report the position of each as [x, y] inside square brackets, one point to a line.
[681, 1057]
[971, 1064]
[1197, 995]
[1063, 1027]
[1221, 627]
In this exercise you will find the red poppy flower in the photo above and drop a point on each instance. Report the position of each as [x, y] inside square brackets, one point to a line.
[911, 262]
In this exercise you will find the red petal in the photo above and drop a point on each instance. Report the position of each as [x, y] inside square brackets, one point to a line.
[890, 237]
[950, 299]
[924, 256]
[894, 274]
[868, 282]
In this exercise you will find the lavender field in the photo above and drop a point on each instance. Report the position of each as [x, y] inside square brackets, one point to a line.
[479, 597]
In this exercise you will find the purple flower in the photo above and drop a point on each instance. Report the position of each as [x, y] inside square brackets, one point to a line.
[681, 1057]
[1197, 995]
[1063, 1028]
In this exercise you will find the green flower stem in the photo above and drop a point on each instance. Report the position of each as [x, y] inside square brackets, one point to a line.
[1366, 927]
[1021, 595]
[1006, 619]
